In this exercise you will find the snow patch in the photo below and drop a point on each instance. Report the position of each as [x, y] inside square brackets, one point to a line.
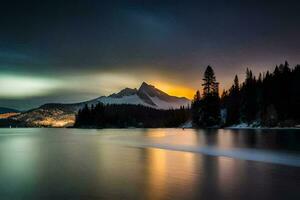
[132, 99]
[187, 124]
[169, 105]
[245, 125]
[256, 125]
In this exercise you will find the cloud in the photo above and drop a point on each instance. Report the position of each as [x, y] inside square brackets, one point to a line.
[19, 86]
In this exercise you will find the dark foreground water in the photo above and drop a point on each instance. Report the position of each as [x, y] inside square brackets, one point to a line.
[149, 164]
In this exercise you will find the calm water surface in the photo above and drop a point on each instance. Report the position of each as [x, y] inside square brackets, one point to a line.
[149, 164]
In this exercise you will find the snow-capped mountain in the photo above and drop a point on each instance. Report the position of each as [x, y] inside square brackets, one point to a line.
[60, 115]
[146, 95]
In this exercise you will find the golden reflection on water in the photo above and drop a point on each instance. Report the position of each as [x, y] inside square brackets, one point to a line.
[157, 174]
[157, 133]
[168, 171]
[225, 140]
[173, 136]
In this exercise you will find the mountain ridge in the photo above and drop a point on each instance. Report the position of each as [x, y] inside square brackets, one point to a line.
[4, 110]
[147, 95]
[62, 115]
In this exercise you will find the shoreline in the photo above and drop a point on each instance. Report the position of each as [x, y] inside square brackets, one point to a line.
[183, 128]
[263, 128]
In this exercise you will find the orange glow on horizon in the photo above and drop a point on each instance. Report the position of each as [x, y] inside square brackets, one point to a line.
[175, 90]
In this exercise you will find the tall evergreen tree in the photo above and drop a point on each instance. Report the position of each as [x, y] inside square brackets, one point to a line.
[249, 98]
[210, 85]
[233, 103]
[196, 108]
[210, 104]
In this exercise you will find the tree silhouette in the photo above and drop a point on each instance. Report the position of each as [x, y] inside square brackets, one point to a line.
[210, 85]
[196, 107]
[206, 112]
[232, 102]
[271, 100]
[125, 115]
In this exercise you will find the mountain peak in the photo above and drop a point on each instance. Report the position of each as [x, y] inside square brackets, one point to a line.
[151, 90]
[124, 92]
[145, 85]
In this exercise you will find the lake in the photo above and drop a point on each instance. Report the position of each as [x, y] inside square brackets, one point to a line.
[149, 164]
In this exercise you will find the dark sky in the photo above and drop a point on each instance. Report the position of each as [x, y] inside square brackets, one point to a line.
[73, 50]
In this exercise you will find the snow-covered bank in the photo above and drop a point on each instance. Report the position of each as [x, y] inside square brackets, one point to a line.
[256, 125]
[187, 124]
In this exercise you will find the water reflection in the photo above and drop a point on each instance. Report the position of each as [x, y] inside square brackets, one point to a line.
[157, 173]
[227, 173]
[19, 164]
[123, 164]
[162, 181]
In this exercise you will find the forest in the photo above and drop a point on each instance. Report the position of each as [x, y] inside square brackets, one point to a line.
[126, 115]
[271, 99]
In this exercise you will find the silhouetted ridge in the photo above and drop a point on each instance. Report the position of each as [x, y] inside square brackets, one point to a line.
[124, 92]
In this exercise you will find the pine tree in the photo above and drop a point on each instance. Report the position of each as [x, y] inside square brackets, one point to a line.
[210, 85]
[196, 108]
[249, 98]
[210, 103]
[236, 83]
[197, 96]
[233, 103]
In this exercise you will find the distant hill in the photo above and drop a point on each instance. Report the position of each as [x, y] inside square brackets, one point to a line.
[4, 110]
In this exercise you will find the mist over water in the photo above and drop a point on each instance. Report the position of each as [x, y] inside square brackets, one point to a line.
[149, 164]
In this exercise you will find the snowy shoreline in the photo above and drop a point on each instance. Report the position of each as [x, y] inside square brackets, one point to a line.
[189, 125]
[254, 126]
[264, 128]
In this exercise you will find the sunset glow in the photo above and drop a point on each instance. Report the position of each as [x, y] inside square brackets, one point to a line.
[175, 90]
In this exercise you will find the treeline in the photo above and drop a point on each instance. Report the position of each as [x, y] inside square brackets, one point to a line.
[126, 115]
[271, 99]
